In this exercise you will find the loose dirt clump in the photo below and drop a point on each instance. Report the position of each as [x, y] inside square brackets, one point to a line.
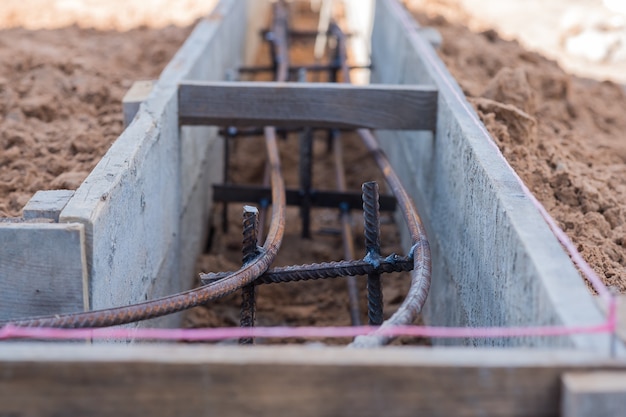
[564, 135]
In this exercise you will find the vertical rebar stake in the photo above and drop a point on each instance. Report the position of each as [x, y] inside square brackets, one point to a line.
[371, 216]
[249, 250]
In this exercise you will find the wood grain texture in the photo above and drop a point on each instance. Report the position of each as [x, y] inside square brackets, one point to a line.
[169, 380]
[136, 94]
[47, 204]
[597, 394]
[42, 269]
[304, 104]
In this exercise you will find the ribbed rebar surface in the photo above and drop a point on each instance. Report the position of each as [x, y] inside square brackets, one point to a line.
[249, 252]
[371, 219]
[294, 273]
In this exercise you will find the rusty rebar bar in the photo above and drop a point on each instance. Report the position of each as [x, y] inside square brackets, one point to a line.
[280, 51]
[296, 273]
[371, 220]
[249, 252]
[420, 251]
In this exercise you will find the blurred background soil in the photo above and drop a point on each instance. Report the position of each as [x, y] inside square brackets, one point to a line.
[61, 86]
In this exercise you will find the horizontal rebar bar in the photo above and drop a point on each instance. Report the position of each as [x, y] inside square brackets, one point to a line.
[392, 263]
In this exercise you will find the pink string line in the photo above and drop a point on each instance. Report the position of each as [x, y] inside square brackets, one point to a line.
[584, 267]
[212, 334]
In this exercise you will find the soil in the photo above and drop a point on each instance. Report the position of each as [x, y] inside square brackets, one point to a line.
[564, 135]
[60, 101]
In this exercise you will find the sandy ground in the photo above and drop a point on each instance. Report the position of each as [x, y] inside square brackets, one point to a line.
[60, 101]
[64, 67]
[563, 134]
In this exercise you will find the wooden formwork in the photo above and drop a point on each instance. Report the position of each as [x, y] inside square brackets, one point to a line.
[509, 273]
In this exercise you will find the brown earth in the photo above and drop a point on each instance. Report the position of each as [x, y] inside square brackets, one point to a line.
[60, 101]
[564, 135]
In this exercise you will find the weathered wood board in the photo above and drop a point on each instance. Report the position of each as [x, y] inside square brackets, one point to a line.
[178, 380]
[47, 204]
[138, 92]
[305, 104]
[43, 269]
[597, 394]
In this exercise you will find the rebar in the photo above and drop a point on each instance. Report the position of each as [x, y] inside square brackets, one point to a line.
[249, 252]
[371, 218]
[280, 57]
[420, 251]
[296, 273]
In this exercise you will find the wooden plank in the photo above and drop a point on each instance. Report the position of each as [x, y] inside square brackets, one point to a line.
[597, 394]
[136, 94]
[42, 269]
[168, 380]
[47, 204]
[305, 104]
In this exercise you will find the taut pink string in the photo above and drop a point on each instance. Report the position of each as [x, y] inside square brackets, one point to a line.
[213, 334]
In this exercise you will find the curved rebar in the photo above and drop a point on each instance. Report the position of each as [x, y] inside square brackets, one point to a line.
[420, 276]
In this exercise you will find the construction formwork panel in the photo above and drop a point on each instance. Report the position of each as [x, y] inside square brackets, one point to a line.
[495, 261]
